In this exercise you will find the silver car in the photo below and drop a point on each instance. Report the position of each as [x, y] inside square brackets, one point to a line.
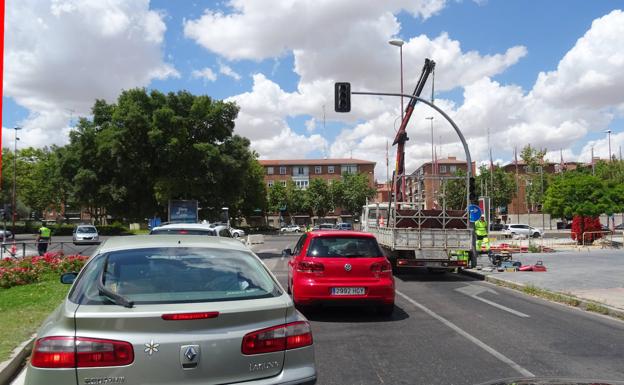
[85, 234]
[192, 229]
[173, 310]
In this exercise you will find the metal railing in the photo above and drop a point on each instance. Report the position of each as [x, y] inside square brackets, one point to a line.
[606, 232]
[29, 248]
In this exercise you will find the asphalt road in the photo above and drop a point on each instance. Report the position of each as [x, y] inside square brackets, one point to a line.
[451, 329]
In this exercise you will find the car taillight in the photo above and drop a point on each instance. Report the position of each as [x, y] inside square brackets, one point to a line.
[310, 267]
[190, 316]
[278, 338]
[381, 268]
[80, 352]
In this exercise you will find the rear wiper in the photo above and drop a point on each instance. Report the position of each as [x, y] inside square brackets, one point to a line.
[114, 297]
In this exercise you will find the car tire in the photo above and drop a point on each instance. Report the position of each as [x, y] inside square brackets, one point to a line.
[385, 310]
[536, 235]
[235, 235]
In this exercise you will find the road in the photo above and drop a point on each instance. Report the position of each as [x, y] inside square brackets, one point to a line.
[451, 329]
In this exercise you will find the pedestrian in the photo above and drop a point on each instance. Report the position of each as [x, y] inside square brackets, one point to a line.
[44, 237]
[481, 231]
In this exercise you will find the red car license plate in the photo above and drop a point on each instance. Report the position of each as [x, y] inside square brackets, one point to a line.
[348, 291]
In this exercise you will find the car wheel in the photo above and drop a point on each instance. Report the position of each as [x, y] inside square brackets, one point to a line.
[536, 235]
[235, 235]
[385, 310]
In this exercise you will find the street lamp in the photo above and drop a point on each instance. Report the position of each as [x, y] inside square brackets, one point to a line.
[432, 156]
[14, 213]
[399, 43]
[609, 135]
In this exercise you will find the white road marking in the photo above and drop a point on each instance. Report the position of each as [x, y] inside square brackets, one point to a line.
[471, 338]
[473, 291]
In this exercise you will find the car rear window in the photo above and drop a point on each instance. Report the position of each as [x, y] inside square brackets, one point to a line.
[183, 232]
[87, 229]
[351, 247]
[175, 275]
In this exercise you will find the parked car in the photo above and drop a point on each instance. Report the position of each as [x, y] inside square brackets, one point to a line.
[237, 233]
[6, 234]
[340, 267]
[522, 230]
[619, 227]
[85, 234]
[326, 226]
[172, 310]
[344, 226]
[192, 229]
[291, 229]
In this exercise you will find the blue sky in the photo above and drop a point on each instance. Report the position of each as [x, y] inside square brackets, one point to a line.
[283, 60]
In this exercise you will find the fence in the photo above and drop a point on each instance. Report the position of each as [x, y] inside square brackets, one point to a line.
[29, 248]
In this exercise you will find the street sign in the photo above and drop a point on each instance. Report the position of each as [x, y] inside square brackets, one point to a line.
[474, 213]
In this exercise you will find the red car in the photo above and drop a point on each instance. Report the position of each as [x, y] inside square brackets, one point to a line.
[340, 267]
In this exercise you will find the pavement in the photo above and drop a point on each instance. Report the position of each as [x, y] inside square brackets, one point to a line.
[454, 329]
[595, 275]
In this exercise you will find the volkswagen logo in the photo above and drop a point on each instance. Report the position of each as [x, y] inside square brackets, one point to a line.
[347, 267]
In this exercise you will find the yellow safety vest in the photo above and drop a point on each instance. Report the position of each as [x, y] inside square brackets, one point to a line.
[481, 227]
[44, 232]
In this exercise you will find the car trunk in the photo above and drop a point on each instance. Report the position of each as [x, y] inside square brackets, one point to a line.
[347, 269]
[159, 345]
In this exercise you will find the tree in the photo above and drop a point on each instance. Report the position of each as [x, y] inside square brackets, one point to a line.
[536, 181]
[148, 148]
[356, 190]
[453, 192]
[576, 194]
[318, 197]
[504, 185]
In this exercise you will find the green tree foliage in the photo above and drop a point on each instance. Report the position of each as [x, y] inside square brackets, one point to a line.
[147, 148]
[318, 197]
[453, 192]
[355, 190]
[504, 185]
[575, 193]
[536, 181]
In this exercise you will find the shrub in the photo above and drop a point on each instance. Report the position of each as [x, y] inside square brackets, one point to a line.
[584, 224]
[22, 271]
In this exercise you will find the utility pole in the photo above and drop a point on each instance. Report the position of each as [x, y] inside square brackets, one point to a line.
[14, 209]
[609, 136]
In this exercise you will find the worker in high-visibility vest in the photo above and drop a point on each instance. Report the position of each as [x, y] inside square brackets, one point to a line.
[44, 237]
[481, 231]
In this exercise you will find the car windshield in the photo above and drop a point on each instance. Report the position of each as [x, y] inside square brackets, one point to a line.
[175, 275]
[87, 229]
[174, 231]
[344, 247]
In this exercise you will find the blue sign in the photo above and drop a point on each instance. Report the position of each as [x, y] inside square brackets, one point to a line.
[474, 213]
[183, 211]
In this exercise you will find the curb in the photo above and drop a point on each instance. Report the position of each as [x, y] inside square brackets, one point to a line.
[10, 368]
[582, 303]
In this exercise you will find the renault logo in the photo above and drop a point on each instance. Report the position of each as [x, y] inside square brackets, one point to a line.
[189, 356]
[347, 267]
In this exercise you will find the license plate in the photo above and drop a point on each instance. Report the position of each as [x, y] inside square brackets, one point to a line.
[348, 291]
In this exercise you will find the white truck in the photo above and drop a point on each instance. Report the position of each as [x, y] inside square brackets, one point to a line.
[439, 240]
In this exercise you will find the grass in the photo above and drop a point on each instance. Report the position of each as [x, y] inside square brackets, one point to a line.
[23, 309]
[596, 308]
[551, 296]
[139, 232]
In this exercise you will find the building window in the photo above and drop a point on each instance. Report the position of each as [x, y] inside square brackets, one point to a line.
[442, 169]
[318, 169]
[330, 169]
[453, 169]
[302, 184]
[282, 170]
[283, 182]
[300, 170]
[270, 170]
[349, 169]
[270, 183]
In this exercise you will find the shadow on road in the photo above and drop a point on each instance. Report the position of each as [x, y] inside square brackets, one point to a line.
[421, 275]
[268, 255]
[325, 313]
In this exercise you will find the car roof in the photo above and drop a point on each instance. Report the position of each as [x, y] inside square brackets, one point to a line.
[148, 241]
[340, 234]
[186, 226]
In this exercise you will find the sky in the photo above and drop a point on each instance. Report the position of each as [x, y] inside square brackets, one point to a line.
[508, 72]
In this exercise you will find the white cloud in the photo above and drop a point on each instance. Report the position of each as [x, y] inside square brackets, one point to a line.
[206, 73]
[228, 71]
[77, 51]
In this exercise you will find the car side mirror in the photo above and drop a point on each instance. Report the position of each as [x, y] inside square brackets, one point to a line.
[286, 253]
[68, 278]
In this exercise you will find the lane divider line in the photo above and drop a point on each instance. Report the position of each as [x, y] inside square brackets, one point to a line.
[501, 357]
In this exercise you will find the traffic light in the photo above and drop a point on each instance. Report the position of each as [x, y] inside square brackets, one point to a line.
[342, 97]
[472, 190]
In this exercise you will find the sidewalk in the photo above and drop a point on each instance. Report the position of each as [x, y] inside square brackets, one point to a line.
[594, 275]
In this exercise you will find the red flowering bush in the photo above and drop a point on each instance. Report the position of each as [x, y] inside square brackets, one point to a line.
[22, 271]
[585, 225]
